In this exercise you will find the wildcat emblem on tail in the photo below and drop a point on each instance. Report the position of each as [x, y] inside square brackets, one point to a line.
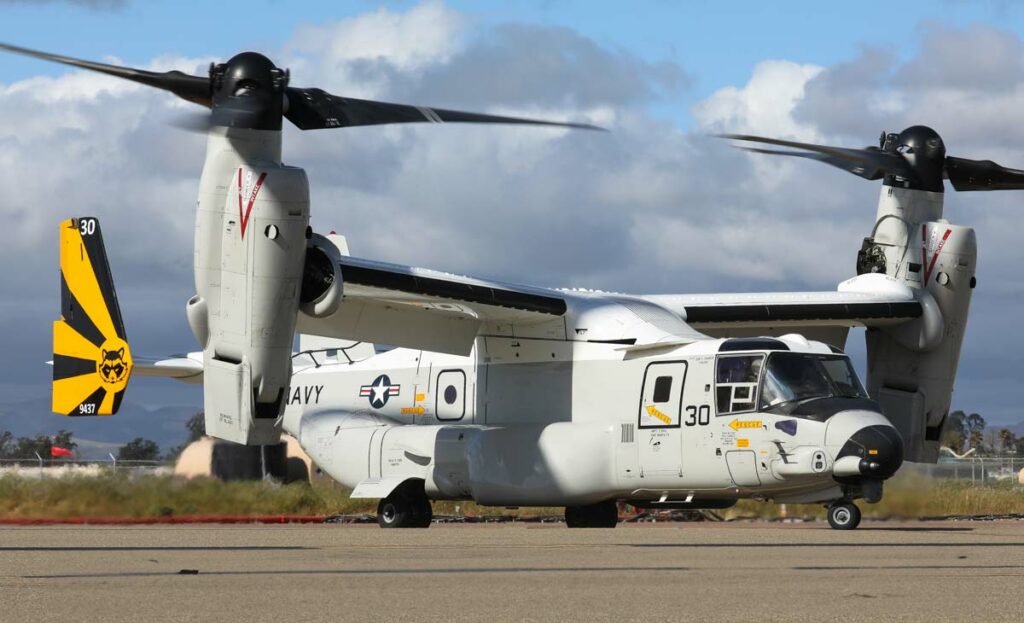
[91, 358]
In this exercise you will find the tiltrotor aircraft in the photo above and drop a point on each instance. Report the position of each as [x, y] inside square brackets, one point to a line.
[515, 395]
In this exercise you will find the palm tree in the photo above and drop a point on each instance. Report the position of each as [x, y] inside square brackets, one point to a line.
[1006, 439]
[977, 440]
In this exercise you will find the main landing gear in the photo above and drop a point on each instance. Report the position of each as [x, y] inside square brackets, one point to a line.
[600, 515]
[406, 507]
[843, 515]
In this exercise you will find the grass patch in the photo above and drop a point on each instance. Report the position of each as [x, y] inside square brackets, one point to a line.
[124, 495]
[121, 495]
[911, 495]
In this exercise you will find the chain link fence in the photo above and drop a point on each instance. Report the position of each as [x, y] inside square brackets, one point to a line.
[43, 467]
[975, 469]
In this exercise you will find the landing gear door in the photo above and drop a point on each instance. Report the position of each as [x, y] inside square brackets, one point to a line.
[659, 417]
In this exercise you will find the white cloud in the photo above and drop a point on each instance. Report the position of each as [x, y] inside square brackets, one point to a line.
[331, 55]
[763, 106]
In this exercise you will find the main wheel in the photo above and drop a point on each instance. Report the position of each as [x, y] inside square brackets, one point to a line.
[600, 515]
[395, 511]
[844, 516]
[423, 513]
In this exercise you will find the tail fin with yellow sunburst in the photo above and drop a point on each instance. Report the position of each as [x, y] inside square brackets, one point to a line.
[91, 358]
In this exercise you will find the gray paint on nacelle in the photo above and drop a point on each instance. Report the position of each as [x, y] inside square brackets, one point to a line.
[247, 280]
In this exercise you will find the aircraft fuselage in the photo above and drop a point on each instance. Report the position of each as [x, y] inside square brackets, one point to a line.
[548, 422]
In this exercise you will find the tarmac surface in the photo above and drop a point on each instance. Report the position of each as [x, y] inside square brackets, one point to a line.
[751, 572]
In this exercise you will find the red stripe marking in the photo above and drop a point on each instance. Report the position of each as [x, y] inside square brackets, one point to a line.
[935, 256]
[924, 250]
[179, 519]
[244, 216]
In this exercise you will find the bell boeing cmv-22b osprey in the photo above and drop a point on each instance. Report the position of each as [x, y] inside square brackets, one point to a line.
[513, 395]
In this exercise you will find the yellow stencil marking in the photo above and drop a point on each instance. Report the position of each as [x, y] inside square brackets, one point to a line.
[420, 397]
[742, 443]
[412, 410]
[658, 414]
[738, 424]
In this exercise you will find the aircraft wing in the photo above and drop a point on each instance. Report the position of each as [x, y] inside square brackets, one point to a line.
[431, 310]
[864, 301]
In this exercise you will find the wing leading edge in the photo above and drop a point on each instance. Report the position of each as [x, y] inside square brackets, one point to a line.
[864, 301]
[431, 310]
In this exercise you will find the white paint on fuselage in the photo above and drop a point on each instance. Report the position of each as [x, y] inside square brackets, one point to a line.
[547, 422]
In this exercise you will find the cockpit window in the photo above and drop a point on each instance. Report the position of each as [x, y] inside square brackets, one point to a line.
[736, 382]
[795, 378]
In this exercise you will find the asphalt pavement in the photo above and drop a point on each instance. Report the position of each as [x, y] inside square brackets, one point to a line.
[751, 572]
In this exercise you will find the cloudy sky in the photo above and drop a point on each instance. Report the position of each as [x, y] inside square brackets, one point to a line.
[655, 205]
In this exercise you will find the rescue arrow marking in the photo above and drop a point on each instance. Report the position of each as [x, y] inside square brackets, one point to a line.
[658, 414]
[737, 424]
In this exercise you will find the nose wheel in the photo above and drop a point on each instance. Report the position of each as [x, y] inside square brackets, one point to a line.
[843, 515]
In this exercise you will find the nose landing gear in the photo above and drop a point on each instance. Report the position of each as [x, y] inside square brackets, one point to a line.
[843, 515]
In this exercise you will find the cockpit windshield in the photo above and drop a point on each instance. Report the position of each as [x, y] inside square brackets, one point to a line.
[791, 379]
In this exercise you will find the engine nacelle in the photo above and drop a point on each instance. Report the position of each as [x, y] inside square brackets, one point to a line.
[250, 248]
[322, 283]
[912, 367]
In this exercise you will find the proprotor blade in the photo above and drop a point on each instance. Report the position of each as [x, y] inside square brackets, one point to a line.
[967, 174]
[860, 170]
[192, 88]
[314, 109]
[870, 159]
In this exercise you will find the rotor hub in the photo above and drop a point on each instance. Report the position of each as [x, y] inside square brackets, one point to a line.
[248, 92]
[923, 150]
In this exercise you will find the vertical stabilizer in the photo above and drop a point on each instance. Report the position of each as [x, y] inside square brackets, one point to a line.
[91, 358]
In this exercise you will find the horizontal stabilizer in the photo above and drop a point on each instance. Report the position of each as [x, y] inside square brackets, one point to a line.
[187, 368]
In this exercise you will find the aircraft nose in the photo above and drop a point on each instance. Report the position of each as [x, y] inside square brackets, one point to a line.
[874, 452]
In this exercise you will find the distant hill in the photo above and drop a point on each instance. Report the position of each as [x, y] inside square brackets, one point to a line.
[1016, 429]
[165, 426]
[96, 450]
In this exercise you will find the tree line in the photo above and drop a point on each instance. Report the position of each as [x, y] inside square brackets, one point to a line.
[963, 432]
[138, 449]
